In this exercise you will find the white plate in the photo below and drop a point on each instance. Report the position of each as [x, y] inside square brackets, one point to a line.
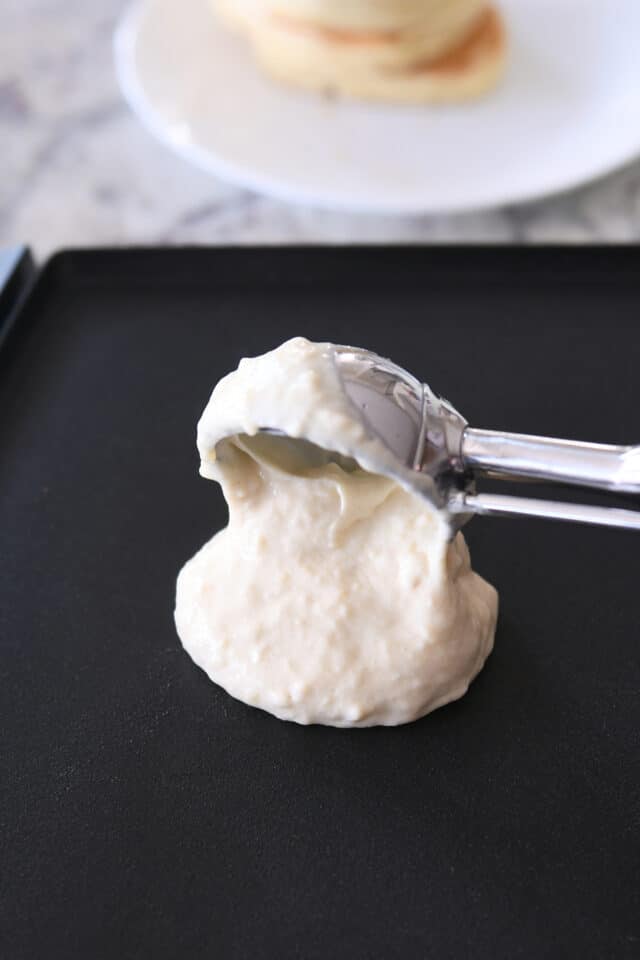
[567, 111]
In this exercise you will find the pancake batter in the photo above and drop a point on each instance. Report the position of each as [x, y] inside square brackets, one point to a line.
[334, 594]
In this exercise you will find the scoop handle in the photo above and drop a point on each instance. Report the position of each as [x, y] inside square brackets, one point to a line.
[497, 505]
[596, 465]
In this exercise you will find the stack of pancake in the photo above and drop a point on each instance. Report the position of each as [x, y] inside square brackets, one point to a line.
[396, 50]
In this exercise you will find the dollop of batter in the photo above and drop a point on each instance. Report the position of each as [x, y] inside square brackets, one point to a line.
[334, 595]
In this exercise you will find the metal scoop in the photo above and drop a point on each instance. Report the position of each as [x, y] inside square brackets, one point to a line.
[427, 435]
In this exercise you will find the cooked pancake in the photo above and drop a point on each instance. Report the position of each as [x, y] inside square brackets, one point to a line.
[453, 50]
[352, 15]
[409, 29]
[235, 13]
[418, 42]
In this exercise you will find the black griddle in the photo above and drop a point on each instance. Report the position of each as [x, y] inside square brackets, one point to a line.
[147, 814]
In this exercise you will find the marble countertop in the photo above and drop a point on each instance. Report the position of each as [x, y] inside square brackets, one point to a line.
[78, 169]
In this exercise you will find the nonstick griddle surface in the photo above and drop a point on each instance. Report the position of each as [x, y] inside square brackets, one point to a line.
[147, 814]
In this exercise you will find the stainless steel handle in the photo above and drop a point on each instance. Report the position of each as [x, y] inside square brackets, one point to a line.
[596, 465]
[497, 505]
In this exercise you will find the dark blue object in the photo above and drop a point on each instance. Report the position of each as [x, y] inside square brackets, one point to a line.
[17, 272]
